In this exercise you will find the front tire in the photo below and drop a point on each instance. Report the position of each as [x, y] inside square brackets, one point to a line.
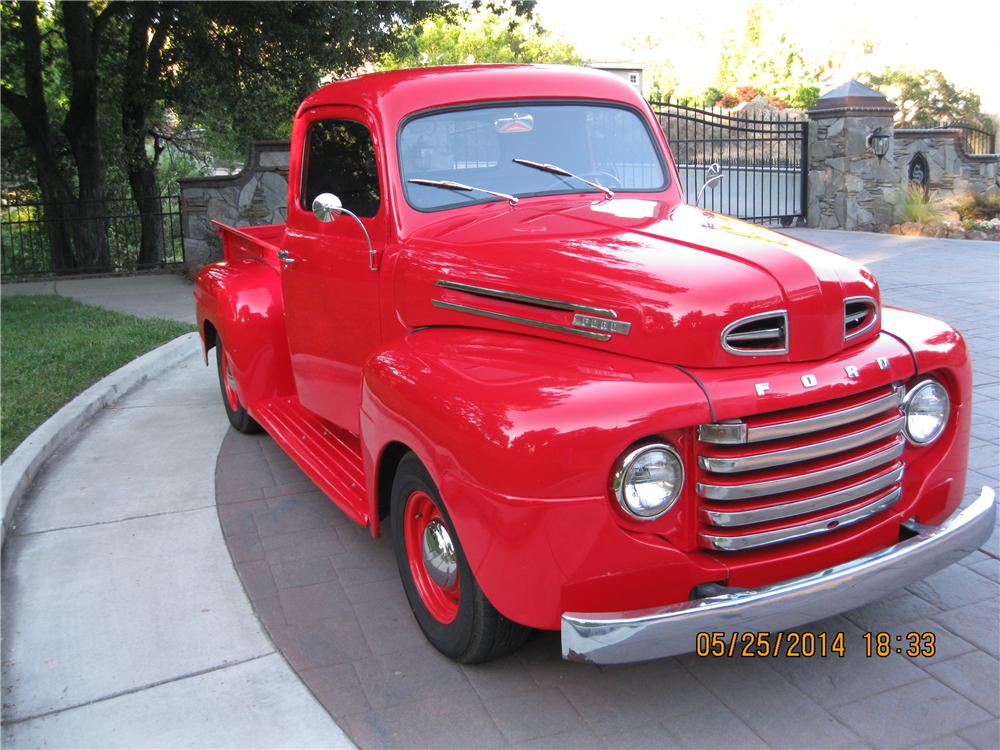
[447, 602]
[239, 417]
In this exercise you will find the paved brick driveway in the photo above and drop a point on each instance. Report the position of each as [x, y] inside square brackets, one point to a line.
[330, 598]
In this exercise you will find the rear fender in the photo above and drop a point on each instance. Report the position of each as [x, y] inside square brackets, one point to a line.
[241, 300]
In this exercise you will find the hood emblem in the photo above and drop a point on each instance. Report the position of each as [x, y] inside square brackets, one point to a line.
[811, 381]
[602, 324]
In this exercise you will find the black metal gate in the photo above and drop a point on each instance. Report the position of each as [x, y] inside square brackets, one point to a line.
[763, 158]
[24, 239]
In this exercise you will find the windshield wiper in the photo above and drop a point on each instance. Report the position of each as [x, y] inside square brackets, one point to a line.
[553, 169]
[449, 185]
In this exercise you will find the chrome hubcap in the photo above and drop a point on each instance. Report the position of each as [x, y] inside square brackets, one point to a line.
[439, 555]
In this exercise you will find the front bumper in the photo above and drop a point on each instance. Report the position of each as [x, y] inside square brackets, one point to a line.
[620, 637]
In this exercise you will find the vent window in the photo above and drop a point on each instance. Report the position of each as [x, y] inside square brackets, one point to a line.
[757, 335]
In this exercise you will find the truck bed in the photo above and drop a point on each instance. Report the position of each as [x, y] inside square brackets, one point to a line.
[262, 241]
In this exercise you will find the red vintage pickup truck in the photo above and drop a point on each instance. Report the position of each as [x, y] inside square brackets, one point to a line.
[492, 323]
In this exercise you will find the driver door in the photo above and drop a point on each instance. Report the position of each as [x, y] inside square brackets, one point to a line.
[331, 295]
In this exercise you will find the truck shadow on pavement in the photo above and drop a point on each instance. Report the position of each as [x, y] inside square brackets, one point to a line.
[330, 598]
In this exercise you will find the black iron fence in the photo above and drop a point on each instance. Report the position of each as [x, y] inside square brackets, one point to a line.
[976, 140]
[763, 158]
[28, 229]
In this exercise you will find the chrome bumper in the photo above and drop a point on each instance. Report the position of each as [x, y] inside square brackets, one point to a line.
[619, 637]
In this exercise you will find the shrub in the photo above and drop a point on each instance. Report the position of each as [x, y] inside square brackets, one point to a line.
[914, 204]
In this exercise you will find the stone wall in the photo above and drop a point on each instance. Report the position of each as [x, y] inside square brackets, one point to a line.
[951, 169]
[257, 195]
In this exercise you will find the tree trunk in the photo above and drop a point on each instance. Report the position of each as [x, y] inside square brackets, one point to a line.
[32, 114]
[83, 133]
[142, 69]
[57, 216]
[146, 194]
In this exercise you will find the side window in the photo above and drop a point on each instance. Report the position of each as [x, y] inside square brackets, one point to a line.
[340, 159]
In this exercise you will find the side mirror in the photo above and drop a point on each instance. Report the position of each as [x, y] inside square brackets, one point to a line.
[713, 176]
[326, 206]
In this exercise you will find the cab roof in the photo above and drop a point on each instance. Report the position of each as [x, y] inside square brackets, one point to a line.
[393, 95]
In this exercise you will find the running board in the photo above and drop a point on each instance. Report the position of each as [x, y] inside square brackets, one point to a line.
[333, 464]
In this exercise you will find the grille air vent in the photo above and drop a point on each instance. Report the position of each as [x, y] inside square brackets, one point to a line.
[766, 333]
[860, 315]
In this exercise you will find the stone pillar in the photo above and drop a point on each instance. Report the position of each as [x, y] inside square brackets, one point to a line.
[849, 187]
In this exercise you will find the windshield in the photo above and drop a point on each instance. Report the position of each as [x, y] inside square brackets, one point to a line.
[603, 143]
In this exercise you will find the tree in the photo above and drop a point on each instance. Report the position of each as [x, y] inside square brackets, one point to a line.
[768, 61]
[927, 99]
[75, 218]
[501, 33]
[235, 69]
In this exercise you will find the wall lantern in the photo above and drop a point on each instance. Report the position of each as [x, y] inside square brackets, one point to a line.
[878, 142]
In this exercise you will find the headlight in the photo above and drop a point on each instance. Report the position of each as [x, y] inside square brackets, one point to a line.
[927, 407]
[648, 480]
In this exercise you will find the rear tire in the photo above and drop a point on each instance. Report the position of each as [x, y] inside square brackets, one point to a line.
[451, 609]
[239, 418]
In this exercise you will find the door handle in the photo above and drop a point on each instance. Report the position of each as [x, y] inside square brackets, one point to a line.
[285, 257]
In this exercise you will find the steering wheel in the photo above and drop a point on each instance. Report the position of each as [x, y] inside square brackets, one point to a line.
[607, 179]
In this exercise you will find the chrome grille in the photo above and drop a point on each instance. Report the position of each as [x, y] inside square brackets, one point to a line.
[798, 473]
[766, 333]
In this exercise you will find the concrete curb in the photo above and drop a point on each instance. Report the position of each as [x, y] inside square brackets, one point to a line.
[22, 466]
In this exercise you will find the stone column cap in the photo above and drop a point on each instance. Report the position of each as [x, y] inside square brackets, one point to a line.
[852, 97]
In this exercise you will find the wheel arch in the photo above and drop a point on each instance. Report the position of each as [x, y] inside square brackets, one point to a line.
[388, 464]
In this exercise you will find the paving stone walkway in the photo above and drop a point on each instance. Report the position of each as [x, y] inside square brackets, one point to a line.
[331, 601]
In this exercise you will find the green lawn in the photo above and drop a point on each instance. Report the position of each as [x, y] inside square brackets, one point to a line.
[52, 348]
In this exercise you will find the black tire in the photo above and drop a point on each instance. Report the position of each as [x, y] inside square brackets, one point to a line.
[478, 632]
[239, 418]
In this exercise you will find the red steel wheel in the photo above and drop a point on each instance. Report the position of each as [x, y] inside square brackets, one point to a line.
[239, 417]
[228, 384]
[447, 601]
[430, 553]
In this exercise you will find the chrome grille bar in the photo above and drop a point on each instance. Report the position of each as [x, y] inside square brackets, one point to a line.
[734, 464]
[728, 519]
[801, 531]
[763, 334]
[732, 434]
[751, 490]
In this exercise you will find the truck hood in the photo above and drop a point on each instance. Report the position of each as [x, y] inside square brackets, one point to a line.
[634, 277]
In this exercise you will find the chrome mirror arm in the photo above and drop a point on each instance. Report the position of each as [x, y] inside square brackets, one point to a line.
[372, 258]
[326, 204]
[713, 176]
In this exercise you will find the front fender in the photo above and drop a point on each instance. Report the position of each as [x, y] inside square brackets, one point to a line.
[936, 473]
[241, 299]
[520, 415]
[520, 436]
